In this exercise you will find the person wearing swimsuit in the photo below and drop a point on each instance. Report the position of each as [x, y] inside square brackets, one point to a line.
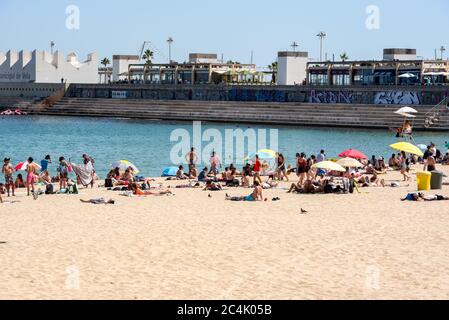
[31, 175]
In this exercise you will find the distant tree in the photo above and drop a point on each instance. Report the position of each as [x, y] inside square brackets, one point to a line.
[273, 67]
[344, 57]
[148, 56]
[105, 62]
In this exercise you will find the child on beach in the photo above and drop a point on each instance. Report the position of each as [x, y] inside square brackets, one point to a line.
[63, 173]
[45, 162]
[8, 171]
[19, 181]
[255, 196]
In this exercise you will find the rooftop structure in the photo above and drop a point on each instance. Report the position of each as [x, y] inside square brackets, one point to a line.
[45, 67]
[292, 67]
[194, 73]
[397, 68]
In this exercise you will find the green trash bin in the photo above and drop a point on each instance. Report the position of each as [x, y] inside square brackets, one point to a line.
[436, 180]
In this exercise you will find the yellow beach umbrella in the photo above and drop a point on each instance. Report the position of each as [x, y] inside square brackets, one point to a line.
[407, 147]
[123, 165]
[329, 165]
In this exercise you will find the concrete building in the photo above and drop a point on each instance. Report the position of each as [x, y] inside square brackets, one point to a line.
[203, 58]
[120, 64]
[292, 68]
[44, 67]
[400, 54]
[396, 68]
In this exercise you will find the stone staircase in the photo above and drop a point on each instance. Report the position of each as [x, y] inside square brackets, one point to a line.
[301, 114]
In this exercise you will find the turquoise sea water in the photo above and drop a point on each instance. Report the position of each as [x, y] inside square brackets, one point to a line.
[147, 144]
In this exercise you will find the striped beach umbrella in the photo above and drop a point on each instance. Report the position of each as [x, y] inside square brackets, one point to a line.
[22, 166]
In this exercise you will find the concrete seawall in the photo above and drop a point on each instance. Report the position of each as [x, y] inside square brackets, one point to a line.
[295, 114]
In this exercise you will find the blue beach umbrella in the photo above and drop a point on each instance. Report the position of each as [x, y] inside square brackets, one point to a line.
[169, 172]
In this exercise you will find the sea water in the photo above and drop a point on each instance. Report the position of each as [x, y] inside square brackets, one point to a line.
[147, 143]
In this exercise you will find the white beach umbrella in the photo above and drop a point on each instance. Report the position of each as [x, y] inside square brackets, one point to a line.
[349, 163]
[407, 110]
[407, 75]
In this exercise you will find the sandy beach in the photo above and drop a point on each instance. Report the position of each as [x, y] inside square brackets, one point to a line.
[190, 246]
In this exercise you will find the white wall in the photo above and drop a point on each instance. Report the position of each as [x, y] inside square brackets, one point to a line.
[44, 67]
[120, 64]
[291, 68]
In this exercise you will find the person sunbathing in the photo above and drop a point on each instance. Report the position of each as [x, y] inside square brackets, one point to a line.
[98, 201]
[419, 196]
[212, 186]
[139, 192]
[255, 196]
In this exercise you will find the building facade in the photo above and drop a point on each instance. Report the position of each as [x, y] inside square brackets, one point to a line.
[120, 64]
[44, 67]
[399, 67]
[292, 68]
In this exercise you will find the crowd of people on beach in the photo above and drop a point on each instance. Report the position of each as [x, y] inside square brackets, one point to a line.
[256, 174]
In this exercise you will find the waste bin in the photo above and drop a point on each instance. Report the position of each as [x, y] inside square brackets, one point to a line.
[423, 180]
[436, 180]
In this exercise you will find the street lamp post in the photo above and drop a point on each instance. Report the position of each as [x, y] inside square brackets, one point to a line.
[321, 35]
[442, 49]
[169, 41]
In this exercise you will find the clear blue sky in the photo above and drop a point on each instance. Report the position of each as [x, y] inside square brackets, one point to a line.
[231, 27]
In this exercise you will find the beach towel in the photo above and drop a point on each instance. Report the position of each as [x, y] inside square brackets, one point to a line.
[84, 173]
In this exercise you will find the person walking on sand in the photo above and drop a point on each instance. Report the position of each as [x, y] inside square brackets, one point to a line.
[404, 166]
[214, 164]
[8, 171]
[191, 158]
[31, 175]
[256, 170]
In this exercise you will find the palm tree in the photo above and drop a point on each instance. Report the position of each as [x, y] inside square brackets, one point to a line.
[344, 57]
[148, 56]
[274, 69]
[105, 62]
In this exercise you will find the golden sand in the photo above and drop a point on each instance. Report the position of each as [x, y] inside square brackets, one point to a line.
[189, 246]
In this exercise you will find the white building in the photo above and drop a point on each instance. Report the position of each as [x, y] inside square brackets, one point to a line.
[292, 67]
[44, 67]
[203, 58]
[400, 54]
[120, 64]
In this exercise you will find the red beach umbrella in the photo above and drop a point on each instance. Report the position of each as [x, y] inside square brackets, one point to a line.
[23, 166]
[353, 153]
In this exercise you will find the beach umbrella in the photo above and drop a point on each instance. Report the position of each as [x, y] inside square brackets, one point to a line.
[169, 172]
[406, 110]
[329, 165]
[264, 154]
[407, 75]
[122, 165]
[23, 166]
[352, 153]
[407, 147]
[349, 163]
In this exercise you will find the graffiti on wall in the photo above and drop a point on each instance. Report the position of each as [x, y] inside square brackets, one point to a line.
[331, 96]
[397, 97]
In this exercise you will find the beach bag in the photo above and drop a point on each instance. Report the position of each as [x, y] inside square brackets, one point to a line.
[108, 183]
[49, 189]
